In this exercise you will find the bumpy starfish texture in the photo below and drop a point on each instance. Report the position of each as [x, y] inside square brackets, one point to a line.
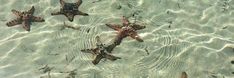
[126, 29]
[70, 10]
[100, 52]
[24, 18]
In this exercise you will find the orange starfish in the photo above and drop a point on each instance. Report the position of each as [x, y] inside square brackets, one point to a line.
[127, 29]
[24, 18]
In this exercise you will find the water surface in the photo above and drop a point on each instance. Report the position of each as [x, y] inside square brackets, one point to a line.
[195, 36]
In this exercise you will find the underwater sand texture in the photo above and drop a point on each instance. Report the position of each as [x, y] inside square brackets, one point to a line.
[195, 36]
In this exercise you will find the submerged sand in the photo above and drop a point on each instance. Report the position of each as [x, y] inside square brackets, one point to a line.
[195, 36]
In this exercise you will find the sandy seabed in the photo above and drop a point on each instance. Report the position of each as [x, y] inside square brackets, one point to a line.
[195, 36]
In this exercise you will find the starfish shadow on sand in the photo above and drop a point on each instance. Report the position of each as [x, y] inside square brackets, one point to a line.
[100, 52]
[70, 10]
[126, 29]
[25, 18]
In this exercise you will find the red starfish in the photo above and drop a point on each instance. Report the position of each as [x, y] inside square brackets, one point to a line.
[24, 18]
[127, 29]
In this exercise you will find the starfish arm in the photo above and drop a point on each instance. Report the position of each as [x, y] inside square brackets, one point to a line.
[17, 13]
[110, 48]
[184, 75]
[82, 13]
[70, 17]
[111, 57]
[118, 39]
[97, 59]
[79, 2]
[125, 21]
[138, 27]
[114, 26]
[87, 50]
[92, 51]
[26, 25]
[13, 22]
[56, 13]
[134, 35]
[31, 11]
[37, 19]
[62, 2]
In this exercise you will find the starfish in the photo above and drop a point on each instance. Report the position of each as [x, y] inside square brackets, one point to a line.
[70, 10]
[100, 52]
[127, 29]
[184, 75]
[24, 18]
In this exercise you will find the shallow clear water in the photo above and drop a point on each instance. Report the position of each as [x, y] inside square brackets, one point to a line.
[195, 36]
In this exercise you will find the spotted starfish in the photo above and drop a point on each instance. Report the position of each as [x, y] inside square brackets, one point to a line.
[127, 29]
[24, 18]
[100, 52]
[70, 10]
